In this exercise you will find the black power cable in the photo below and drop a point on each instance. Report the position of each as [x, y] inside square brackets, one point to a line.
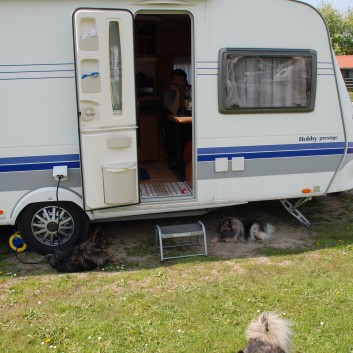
[57, 187]
[43, 259]
[59, 208]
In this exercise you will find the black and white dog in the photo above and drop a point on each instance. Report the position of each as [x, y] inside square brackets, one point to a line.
[231, 227]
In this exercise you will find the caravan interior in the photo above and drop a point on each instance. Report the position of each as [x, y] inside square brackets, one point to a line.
[162, 44]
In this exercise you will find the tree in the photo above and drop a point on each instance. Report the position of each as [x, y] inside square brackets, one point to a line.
[340, 26]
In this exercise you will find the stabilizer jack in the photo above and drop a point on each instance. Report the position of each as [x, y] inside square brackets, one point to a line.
[293, 210]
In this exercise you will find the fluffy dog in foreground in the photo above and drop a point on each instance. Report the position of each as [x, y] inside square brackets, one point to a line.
[231, 227]
[84, 257]
[268, 334]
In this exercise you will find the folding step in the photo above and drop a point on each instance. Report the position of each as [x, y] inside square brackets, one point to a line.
[193, 230]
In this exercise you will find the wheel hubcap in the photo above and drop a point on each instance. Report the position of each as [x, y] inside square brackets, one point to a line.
[53, 225]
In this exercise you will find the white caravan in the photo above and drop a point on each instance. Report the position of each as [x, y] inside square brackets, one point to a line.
[81, 83]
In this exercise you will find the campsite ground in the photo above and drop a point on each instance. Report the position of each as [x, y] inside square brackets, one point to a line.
[196, 304]
[133, 242]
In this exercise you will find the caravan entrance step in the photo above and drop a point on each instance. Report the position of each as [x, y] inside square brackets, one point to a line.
[192, 231]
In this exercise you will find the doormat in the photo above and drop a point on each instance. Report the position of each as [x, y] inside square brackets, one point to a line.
[143, 174]
[164, 190]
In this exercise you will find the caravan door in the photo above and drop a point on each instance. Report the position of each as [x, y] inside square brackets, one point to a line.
[106, 106]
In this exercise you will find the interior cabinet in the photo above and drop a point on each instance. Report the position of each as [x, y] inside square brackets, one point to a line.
[148, 132]
[148, 137]
[146, 38]
[148, 109]
[148, 102]
[146, 76]
[173, 43]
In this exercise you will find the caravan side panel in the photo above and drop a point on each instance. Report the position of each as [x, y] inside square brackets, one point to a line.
[282, 153]
[37, 86]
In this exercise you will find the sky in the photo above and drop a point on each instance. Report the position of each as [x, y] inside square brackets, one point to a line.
[341, 5]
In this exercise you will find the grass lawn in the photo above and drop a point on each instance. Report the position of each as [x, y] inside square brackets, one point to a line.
[351, 95]
[190, 305]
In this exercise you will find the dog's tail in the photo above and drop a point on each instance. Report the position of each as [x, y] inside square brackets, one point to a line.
[261, 231]
[271, 329]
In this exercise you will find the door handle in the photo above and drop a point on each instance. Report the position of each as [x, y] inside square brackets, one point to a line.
[90, 112]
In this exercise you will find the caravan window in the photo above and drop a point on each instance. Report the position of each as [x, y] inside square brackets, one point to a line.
[262, 80]
[115, 65]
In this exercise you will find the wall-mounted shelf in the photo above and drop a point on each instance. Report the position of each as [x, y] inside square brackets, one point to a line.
[146, 38]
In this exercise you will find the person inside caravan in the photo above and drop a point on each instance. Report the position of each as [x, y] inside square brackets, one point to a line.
[175, 103]
[179, 90]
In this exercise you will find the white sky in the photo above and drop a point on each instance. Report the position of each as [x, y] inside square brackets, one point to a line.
[341, 5]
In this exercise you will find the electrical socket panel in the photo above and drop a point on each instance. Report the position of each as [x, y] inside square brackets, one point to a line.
[60, 170]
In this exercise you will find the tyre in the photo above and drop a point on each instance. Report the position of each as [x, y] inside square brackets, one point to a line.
[46, 227]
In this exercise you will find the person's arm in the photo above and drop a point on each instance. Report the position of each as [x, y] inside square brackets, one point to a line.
[174, 105]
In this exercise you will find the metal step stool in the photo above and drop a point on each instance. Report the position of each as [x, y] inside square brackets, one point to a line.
[180, 231]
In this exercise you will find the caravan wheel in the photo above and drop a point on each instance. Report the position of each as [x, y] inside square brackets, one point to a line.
[46, 227]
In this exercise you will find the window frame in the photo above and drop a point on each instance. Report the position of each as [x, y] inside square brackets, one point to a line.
[265, 53]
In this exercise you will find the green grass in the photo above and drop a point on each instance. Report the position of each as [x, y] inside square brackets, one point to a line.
[200, 306]
[191, 305]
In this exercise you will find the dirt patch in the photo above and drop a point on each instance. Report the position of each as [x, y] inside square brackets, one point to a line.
[133, 242]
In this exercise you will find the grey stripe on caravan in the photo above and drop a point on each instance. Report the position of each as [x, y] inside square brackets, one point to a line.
[32, 180]
[271, 166]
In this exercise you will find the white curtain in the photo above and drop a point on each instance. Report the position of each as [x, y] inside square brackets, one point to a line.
[264, 82]
[183, 63]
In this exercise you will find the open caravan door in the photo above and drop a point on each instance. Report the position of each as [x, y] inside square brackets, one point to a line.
[106, 103]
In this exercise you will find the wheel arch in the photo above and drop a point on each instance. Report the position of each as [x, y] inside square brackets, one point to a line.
[47, 194]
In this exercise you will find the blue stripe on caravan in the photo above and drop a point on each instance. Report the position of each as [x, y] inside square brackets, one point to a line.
[285, 147]
[350, 148]
[28, 163]
[281, 154]
[272, 151]
[31, 167]
[39, 159]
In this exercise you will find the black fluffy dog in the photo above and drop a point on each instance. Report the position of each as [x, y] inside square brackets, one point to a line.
[87, 256]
